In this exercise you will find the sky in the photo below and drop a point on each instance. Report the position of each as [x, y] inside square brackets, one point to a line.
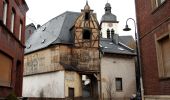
[41, 11]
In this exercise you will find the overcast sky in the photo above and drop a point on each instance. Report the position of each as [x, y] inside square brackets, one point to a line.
[41, 11]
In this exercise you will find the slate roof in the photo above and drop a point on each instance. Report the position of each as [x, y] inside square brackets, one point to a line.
[109, 46]
[109, 17]
[57, 30]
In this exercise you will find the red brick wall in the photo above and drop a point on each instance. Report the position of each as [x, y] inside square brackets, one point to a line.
[11, 46]
[150, 23]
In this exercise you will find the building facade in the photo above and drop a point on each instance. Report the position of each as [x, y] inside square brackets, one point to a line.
[153, 22]
[12, 33]
[118, 77]
[61, 52]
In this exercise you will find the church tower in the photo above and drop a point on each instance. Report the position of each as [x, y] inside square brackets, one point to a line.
[109, 23]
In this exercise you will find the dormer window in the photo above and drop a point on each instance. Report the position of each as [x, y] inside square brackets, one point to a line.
[87, 16]
[86, 34]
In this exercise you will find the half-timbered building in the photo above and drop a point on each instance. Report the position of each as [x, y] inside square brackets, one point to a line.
[62, 57]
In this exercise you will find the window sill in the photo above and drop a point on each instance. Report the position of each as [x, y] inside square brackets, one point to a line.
[119, 90]
[158, 7]
[164, 78]
[5, 86]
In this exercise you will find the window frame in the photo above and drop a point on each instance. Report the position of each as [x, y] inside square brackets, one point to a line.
[161, 67]
[12, 20]
[5, 11]
[156, 5]
[10, 71]
[121, 83]
[20, 30]
[108, 33]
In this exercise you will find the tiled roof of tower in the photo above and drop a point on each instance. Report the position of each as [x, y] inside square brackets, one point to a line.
[57, 30]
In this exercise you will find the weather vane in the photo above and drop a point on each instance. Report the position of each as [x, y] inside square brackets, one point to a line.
[86, 1]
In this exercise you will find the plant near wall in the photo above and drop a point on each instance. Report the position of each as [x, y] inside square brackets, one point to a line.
[110, 88]
[41, 94]
[12, 96]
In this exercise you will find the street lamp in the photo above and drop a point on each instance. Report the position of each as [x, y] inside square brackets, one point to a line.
[138, 68]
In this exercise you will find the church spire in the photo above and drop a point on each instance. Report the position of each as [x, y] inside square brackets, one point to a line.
[107, 8]
[86, 2]
[87, 7]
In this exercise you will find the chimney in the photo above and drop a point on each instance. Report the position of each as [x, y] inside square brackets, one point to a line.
[115, 38]
[38, 26]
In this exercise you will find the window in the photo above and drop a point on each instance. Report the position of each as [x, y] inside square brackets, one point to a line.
[108, 33]
[5, 70]
[87, 16]
[86, 34]
[118, 84]
[12, 20]
[112, 32]
[101, 35]
[20, 30]
[163, 56]
[157, 3]
[5, 5]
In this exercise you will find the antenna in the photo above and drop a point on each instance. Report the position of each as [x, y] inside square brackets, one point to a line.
[107, 1]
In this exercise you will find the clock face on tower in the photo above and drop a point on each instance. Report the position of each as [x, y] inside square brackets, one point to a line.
[110, 24]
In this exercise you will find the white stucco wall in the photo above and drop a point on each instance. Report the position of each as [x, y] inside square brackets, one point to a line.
[112, 67]
[52, 85]
[105, 26]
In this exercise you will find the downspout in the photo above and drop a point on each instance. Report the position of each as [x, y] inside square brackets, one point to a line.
[141, 79]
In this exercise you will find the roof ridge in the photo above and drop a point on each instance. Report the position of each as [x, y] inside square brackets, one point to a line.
[127, 47]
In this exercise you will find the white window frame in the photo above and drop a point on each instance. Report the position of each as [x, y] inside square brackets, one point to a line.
[12, 21]
[157, 2]
[5, 6]
[20, 31]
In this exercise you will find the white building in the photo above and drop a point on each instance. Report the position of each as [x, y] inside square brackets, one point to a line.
[118, 78]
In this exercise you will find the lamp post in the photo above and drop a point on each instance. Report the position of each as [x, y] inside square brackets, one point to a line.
[139, 85]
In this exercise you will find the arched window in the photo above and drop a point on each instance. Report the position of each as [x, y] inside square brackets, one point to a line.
[112, 32]
[86, 34]
[108, 33]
